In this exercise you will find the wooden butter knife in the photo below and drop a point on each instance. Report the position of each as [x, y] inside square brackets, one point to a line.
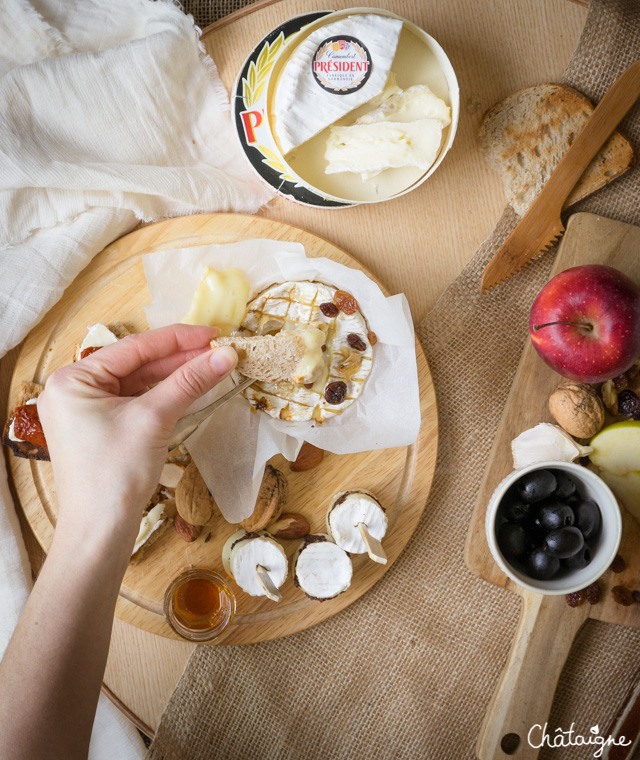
[541, 226]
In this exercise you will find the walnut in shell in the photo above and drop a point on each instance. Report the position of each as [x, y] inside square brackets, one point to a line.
[270, 502]
[577, 408]
[194, 503]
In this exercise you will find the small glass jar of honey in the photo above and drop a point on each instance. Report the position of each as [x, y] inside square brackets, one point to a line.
[199, 605]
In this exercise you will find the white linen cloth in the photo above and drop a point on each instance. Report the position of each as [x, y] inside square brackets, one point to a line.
[111, 113]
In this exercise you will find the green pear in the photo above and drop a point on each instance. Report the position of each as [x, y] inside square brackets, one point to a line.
[616, 448]
[626, 489]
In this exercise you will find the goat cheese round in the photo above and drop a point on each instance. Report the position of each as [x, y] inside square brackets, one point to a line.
[350, 508]
[242, 554]
[321, 568]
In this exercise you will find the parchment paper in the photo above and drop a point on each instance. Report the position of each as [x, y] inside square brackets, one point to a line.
[233, 446]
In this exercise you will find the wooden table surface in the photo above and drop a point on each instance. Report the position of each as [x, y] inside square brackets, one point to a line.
[496, 47]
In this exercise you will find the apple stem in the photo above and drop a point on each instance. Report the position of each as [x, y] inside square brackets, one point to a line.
[586, 325]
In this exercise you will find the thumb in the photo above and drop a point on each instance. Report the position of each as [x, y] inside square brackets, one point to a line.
[171, 398]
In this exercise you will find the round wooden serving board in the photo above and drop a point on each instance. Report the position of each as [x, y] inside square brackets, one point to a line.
[113, 288]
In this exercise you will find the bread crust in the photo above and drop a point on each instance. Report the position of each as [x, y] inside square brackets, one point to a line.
[23, 449]
[28, 391]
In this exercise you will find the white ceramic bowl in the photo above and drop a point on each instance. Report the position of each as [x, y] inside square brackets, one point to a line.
[589, 486]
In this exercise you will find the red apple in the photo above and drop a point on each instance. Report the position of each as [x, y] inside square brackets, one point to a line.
[585, 323]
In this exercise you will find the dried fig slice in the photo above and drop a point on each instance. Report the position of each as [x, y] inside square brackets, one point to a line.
[270, 502]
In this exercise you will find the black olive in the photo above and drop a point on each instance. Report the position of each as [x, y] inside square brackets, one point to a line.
[566, 485]
[579, 560]
[588, 518]
[534, 528]
[536, 486]
[563, 542]
[514, 509]
[513, 540]
[541, 565]
[553, 514]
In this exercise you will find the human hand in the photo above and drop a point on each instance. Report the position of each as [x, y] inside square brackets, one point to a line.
[107, 433]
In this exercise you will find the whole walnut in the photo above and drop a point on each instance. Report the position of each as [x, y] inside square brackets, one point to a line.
[577, 408]
[194, 503]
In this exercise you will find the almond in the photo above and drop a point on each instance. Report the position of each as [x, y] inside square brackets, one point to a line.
[290, 526]
[185, 530]
[309, 457]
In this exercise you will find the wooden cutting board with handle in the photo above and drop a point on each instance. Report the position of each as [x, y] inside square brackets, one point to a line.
[548, 626]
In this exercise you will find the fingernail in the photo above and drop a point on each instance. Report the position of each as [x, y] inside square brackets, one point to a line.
[223, 360]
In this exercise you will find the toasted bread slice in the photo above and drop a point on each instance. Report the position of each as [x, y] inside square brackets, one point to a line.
[26, 392]
[119, 329]
[527, 134]
[271, 358]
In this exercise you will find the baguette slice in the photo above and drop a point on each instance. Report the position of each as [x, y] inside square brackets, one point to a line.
[526, 135]
[26, 392]
[283, 356]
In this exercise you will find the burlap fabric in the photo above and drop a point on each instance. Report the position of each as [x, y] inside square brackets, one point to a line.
[408, 670]
[205, 12]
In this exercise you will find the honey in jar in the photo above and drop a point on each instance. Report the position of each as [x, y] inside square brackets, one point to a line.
[199, 605]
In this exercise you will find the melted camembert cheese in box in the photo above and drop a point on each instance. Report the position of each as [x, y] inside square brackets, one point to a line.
[362, 109]
[220, 300]
[404, 129]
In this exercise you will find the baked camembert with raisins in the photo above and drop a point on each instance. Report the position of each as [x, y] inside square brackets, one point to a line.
[339, 352]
